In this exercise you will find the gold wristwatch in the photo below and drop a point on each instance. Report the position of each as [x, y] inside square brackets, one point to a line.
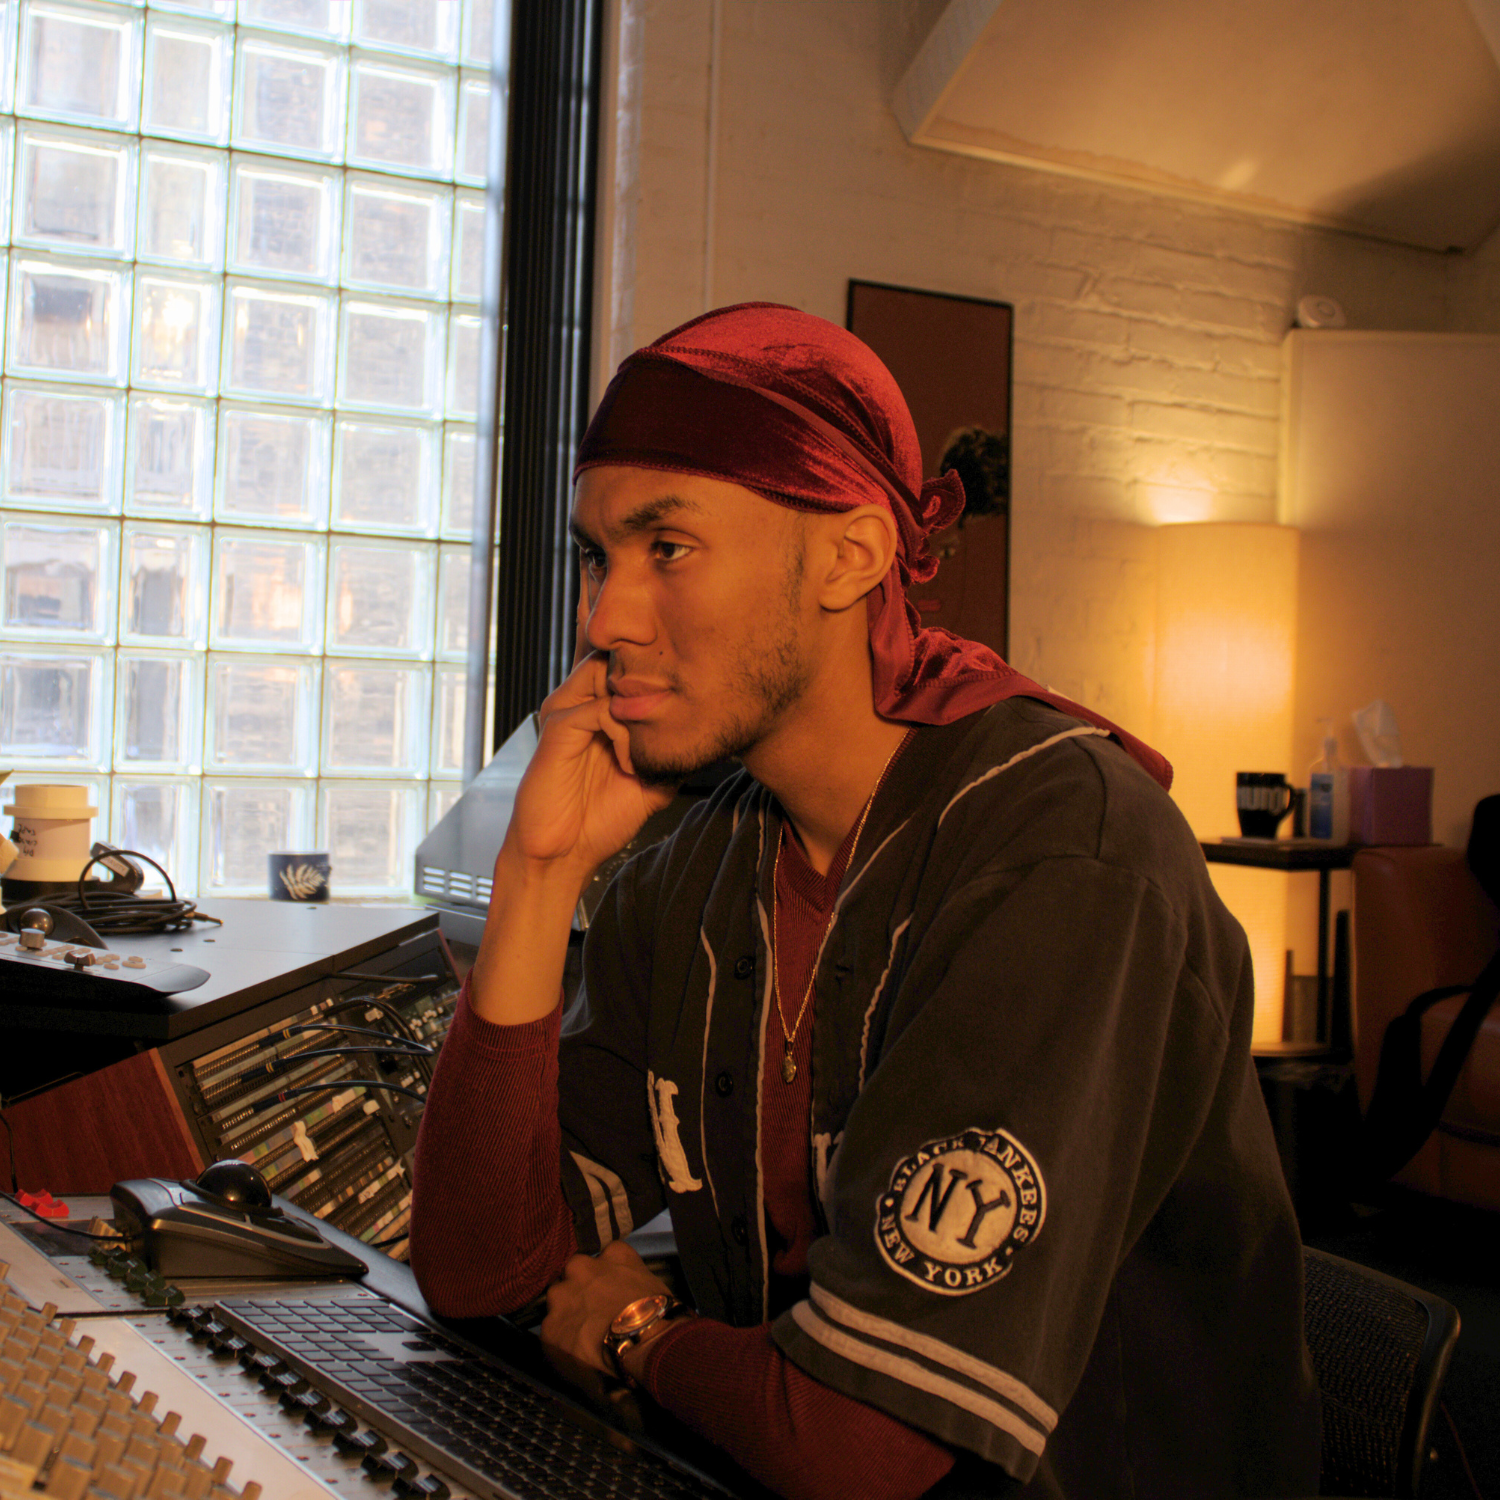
[638, 1322]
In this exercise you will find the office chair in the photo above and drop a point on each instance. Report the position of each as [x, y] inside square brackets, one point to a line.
[1380, 1350]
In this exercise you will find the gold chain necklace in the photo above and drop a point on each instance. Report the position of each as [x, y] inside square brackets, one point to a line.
[788, 1067]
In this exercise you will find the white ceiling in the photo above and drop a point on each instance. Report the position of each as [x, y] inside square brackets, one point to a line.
[1376, 116]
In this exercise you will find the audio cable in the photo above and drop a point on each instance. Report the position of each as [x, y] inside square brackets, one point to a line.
[115, 906]
[394, 1016]
[281, 1064]
[342, 1085]
[83, 1234]
[421, 1048]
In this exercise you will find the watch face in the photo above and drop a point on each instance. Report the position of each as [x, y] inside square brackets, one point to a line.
[638, 1314]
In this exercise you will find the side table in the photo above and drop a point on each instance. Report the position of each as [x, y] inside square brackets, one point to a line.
[1295, 855]
[1315, 1120]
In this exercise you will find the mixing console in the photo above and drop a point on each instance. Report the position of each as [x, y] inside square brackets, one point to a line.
[306, 1100]
[303, 1046]
[119, 1387]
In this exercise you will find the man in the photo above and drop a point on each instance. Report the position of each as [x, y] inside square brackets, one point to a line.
[927, 1026]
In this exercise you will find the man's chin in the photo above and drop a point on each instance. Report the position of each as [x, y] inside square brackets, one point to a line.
[666, 771]
[670, 765]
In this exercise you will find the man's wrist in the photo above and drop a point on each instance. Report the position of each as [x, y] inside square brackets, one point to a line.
[526, 879]
[636, 1327]
[635, 1359]
[518, 971]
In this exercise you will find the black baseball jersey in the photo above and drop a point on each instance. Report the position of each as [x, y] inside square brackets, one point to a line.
[1055, 1230]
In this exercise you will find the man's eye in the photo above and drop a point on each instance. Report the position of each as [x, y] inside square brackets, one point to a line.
[671, 551]
[593, 560]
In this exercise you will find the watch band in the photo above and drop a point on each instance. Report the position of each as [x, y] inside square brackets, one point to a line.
[639, 1322]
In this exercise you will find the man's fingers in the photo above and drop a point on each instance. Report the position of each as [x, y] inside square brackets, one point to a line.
[578, 1268]
[592, 716]
[619, 738]
[586, 687]
[621, 1253]
[585, 682]
[590, 713]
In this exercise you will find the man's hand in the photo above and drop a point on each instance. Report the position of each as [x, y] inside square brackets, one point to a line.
[580, 801]
[594, 1289]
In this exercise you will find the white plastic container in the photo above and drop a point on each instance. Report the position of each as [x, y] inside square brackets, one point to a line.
[51, 832]
[1328, 792]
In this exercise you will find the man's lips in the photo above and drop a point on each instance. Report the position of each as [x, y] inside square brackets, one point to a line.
[631, 699]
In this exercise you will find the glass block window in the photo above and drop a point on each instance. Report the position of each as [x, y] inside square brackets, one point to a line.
[241, 248]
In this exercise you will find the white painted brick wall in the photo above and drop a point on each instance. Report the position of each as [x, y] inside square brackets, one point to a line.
[1148, 330]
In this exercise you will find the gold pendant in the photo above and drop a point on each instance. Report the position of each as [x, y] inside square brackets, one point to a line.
[788, 1067]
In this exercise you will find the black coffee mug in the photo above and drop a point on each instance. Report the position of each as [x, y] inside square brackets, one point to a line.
[1262, 799]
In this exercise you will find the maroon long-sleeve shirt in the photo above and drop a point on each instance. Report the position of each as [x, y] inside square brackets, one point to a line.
[495, 1110]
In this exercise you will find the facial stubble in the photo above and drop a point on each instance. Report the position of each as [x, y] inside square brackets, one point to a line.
[766, 679]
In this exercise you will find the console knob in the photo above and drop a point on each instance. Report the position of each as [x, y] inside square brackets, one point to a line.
[126, 1266]
[428, 1487]
[304, 1403]
[332, 1421]
[369, 1444]
[395, 1465]
[270, 1374]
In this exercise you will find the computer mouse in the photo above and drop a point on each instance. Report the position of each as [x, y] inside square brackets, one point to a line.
[183, 1229]
[235, 1182]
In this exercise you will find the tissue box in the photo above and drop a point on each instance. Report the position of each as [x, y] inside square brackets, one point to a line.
[1390, 804]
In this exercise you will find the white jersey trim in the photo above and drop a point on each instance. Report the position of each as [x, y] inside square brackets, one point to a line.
[999, 1381]
[919, 1377]
[708, 1013]
[1082, 731]
[767, 999]
[608, 1193]
[864, 1036]
[859, 874]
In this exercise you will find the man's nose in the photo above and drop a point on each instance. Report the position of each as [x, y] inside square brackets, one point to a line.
[620, 613]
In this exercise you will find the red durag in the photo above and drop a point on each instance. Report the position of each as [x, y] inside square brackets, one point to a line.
[800, 411]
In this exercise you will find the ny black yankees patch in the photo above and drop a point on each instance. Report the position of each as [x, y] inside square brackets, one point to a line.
[957, 1211]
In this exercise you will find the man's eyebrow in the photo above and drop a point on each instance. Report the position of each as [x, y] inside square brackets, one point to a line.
[642, 518]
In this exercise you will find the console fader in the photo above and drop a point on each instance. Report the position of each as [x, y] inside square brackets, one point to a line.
[72, 1425]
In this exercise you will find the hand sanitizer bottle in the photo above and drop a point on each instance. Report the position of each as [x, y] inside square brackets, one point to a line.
[1328, 792]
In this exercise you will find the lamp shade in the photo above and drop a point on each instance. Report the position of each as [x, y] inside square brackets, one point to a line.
[1223, 702]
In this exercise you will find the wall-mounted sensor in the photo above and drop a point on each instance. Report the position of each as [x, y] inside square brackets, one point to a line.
[1320, 312]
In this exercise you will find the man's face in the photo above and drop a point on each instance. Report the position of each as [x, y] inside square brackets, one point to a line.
[694, 588]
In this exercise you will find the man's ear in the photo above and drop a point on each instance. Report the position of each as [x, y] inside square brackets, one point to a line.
[864, 543]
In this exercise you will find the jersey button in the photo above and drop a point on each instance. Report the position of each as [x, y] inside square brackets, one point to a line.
[739, 1231]
[744, 966]
[724, 1085]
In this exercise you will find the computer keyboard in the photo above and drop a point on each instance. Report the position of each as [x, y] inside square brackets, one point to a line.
[406, 1399]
